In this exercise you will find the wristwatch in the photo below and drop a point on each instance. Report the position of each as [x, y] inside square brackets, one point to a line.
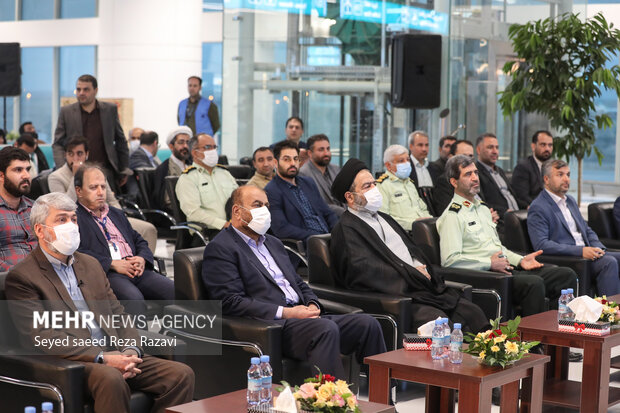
[99, 358]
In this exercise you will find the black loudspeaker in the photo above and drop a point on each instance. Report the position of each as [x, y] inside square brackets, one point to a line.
[416, 71]
[10, 69]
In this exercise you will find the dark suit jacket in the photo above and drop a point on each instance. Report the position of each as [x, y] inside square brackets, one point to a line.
[443, 192]
[361, 261]
[526, 181]
[139, 159]
[70, 125]
[93, 242]
[616, 212]
[490, 193]
[436, 168]
[549, 230]
[159, 186]
[232, 273]
[35, 280]
[287, 220]
[414, 176]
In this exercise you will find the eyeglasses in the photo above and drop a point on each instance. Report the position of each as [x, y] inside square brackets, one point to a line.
[208, 147]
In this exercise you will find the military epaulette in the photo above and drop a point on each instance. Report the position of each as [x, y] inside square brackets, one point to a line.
[189, 168]
[221, 166]
[382, 178]
[455, 207]
[412, 181]
[484, 203]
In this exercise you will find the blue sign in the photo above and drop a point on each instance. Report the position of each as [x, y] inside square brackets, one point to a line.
[317, 7]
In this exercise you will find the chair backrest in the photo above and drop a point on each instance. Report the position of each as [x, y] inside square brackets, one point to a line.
[171, 184]
[240, 171]
[319, 260]
[601, 219]
[425, 236]
[516, 236]
[188, 283]
[145, 178]
[9, 336]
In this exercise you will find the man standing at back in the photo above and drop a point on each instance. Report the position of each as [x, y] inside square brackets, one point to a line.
[322, 170]
[98, 122]
[527, 180]
[199, 114]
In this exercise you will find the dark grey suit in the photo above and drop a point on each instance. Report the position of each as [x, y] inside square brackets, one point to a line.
[70, 125]
[325, 186]
[527, 181]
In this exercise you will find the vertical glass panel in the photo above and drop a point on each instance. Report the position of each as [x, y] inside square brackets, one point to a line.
[74, 62]
[9, 114]
[72, 9]
[212, 73]
[36, 97]
[605, 139]
[212, 5]
[37, 9]
[7, 10]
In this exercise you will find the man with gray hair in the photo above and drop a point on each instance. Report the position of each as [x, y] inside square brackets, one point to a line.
[56, 277]
[555, 225]
[468, 239]
[400, 196]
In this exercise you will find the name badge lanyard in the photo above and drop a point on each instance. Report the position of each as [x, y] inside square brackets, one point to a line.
[103, 222]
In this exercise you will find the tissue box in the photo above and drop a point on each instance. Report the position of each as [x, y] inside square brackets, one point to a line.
[599, 328]
[414, 342]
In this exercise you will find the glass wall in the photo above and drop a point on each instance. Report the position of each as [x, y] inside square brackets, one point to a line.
[47, 9]
[37, 9]
[75, 61]
[37, 84]
[212, 73]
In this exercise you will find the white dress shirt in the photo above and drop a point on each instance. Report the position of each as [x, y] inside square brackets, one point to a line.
[424, 177]
[572, 226]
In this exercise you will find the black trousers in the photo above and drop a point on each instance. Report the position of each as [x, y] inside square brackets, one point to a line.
[531, 287]
[322, 340]
[471, 317]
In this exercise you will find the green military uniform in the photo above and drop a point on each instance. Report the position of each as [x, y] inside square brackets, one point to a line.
[259, 180]
[203, 195]
[401, 200]
[468, 239]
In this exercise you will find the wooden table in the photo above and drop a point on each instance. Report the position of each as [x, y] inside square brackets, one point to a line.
[593, 394]
[473, 381]
[236, 402]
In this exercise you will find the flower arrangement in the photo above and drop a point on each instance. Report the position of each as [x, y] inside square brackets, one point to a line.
[499, 346]
[323, 393]
[611, 311]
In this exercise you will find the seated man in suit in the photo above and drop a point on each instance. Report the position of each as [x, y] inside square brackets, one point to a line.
[146, 155]
[56, 277]
[296, 205]
[468, 239]
[372, 252]
[321, 170]
[121, 251]
[556, 226]
[495, 189]
[251, 274]
[526, 178]
[400, 197]
[61, 180]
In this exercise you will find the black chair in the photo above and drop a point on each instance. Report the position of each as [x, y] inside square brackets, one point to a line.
[39, 185]
[426, 193]
[240, 171]
[601, 220]
[188, 232]
[241, 338]
[393, 312]
[30, 380]
[515, 224]
[147, 204]
[491, 291]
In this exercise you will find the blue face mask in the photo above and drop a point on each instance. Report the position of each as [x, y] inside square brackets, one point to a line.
[403, 170]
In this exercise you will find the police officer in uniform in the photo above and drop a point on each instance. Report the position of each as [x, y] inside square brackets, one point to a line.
[204, 187]
[469, 240]
[400, 196]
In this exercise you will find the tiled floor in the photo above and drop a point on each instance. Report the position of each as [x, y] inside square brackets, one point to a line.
[410, 396]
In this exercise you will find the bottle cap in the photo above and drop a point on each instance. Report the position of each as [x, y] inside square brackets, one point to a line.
[49, 406]
[254, 360]
[569, 291]
[438, 322]
[563, 292]
[445, 320]
[30, 409]
[457, 325]
[264, 359]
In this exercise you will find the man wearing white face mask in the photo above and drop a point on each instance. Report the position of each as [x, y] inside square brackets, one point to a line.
[204, 187]
[371, 252]
[56, 277]
[251, 274]
[400, 196]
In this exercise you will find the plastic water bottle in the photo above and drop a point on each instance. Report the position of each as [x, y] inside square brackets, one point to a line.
[456, 342]
[437, 346]
[255, 382]
[446, 338]
[562, 306]
[267, 374]
[569, 297]
[47, 407]
[30, 409]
